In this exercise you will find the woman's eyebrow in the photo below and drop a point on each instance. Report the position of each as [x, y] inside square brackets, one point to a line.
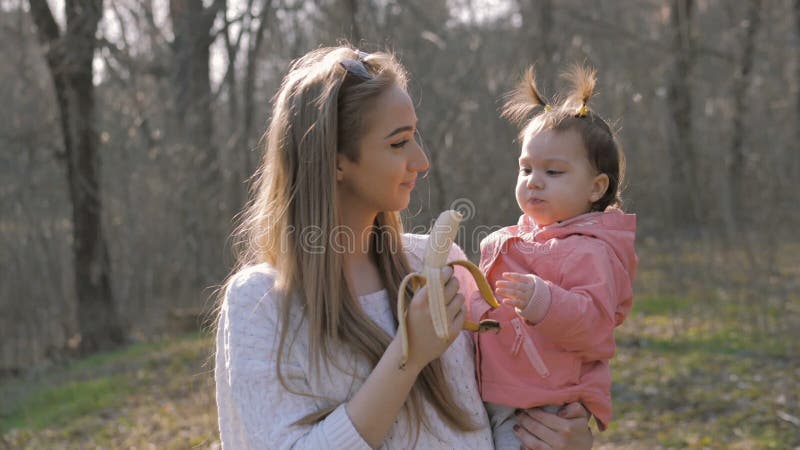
[400, 130]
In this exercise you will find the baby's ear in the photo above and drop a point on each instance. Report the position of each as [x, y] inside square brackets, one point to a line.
[599, 187]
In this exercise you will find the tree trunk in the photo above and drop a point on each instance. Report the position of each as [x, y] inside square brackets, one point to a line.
[537, 18]
[352, 14]
[249, 161]
[736, 162]
[69, 58]
[795, 152]
[191, 25]
[684, 204]
[202, 203]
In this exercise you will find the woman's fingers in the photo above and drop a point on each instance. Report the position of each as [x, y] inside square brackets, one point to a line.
[529, 441]
[540, 429]
[574, 410]
[450, 287]
[455, 311]
[549, 420]
[455, 305]
[534, 434]
[447, 273]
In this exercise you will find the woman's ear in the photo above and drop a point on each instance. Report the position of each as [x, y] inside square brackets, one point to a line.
[599, 187]
[339, 169]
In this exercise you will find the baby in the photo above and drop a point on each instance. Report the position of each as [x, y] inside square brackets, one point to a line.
[564, 271]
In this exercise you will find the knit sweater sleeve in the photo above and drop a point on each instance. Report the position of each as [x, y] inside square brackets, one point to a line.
[256, 411]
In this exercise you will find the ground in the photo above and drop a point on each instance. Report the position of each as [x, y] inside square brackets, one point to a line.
[681, 380]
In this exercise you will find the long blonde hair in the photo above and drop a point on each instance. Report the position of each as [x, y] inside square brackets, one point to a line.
[318, 111]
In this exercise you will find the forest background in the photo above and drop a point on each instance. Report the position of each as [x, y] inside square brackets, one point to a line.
[135, 126]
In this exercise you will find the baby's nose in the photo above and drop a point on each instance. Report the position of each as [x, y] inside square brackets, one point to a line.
[534, 182]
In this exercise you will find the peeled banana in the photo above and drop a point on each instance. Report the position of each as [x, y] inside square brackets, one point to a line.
[438, 248]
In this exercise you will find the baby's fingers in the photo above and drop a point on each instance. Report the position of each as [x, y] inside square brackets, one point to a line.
[517, 277]
[514, 303]
[513, 285]
[511, 293]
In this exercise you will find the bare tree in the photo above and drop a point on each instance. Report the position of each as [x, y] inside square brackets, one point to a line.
[679, 103]
[254, 48]
[342, 17]
[537, 19]
[351, 6]
[736, 161]
[192, 25]
[69, 56]
[253, 25]
[796, 150]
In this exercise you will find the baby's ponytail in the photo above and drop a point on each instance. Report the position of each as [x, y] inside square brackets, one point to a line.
[582, 81]
[524, 99]
[573, 113]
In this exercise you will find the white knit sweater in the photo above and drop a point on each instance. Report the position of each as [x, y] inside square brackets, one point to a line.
[256, 411]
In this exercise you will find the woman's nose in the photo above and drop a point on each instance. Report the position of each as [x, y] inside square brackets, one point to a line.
[419, 160]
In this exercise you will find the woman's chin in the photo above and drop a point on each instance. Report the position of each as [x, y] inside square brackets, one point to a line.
[401, 204]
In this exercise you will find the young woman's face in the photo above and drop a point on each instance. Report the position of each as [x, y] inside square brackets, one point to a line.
[556, 181]
[389, 157]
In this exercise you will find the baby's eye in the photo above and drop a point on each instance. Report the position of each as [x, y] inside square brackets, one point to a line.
[400, 144]
[554, 172]
[525, 170]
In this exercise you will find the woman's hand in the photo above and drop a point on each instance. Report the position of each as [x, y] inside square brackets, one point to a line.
[378, 401]
[569, 429]
[423, 344]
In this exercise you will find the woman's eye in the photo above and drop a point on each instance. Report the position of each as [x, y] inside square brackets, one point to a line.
[400, 144]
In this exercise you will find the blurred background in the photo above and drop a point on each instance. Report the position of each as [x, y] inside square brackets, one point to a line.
[135, 125]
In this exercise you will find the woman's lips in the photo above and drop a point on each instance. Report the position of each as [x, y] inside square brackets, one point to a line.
[409, 184]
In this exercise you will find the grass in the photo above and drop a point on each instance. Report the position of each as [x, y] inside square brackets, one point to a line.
[158, 395]
[682, 380]
[681, 383]
[56, 405]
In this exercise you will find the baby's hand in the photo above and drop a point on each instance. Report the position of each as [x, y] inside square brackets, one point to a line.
[516, 288]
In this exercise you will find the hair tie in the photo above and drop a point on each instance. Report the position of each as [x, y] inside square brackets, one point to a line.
[547, 107]
[583, 111]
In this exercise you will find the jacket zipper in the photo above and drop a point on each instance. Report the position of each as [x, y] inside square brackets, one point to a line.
[525, 341]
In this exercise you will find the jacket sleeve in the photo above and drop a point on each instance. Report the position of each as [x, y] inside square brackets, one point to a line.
[255, 410]
[591, 299]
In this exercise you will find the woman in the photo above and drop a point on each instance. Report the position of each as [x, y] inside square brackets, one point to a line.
[306, 349]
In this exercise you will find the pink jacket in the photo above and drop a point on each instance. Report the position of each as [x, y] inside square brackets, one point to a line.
[586, 266]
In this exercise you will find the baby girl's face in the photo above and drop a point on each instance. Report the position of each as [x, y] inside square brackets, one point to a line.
[556, 181]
